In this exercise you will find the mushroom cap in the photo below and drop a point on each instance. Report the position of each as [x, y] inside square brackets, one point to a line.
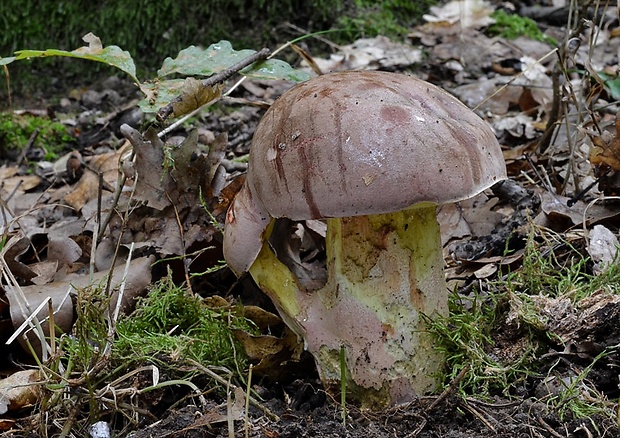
[361, 142]
[358, 143]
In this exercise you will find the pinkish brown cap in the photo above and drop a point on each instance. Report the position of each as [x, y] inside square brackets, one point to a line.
[357, 143]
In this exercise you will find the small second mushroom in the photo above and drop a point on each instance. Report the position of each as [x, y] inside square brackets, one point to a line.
[372, 153]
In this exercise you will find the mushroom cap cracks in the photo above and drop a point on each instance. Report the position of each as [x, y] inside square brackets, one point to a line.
[358, 143]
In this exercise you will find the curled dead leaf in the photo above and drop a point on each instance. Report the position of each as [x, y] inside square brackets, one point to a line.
[220, 204]
[194, 95]
[94, 45]
[272, 355]
[605, 151]
[19, 390]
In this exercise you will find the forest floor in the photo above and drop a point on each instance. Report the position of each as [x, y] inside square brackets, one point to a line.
[532, 339]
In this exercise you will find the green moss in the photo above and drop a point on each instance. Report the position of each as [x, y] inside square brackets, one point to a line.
[494, 340]
[16, 129]
[393, 18]
[559, 270]
[466, 337]
[172, 323]
[512, 26]
[96, 369]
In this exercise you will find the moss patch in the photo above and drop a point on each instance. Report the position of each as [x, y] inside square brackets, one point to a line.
[15, 131]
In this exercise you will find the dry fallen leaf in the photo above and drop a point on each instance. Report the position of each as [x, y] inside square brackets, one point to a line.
[24, 300]
[21, 183]
[556, 207]
[370, 53]
[272, 354]
[94, 45]
[87, 188]
[194, 95]
[15, 248]
[19, 390]
[223, 412]
[605, 151]
[470, 218]
[487, 95]
[465, 13]
[65, 251]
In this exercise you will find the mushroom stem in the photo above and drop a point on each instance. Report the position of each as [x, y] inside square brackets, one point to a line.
[384, 271]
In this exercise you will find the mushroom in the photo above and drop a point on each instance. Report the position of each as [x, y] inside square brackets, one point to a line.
[372, 153]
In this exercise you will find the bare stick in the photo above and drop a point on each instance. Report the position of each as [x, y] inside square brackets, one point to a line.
[31, 140]
[449, 390]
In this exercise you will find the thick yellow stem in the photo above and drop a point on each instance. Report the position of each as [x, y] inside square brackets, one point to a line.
[383, 272]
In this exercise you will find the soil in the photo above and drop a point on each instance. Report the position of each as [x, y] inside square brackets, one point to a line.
[453, 417]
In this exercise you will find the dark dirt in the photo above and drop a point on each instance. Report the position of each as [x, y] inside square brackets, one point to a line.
[454, 417]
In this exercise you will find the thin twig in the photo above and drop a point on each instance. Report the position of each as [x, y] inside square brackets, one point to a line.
[31, 140]
[418, 429]
[182, 237]
[493, 405]
[478, 415]
[554, 114]
[449, 390]
[548, 428]
[510, 82]
[222, 381]
[129, 134]
[314, 35]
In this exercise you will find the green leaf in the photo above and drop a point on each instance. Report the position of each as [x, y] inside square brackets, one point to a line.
[612, 83]
[111, 55]
[275, 69]
[159, 94]
[614, 88]
[196, 61]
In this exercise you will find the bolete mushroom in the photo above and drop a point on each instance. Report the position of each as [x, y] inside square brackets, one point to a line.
[373, 153]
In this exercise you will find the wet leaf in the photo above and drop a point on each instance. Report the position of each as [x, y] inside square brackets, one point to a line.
[196, 61]
[275, 69]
